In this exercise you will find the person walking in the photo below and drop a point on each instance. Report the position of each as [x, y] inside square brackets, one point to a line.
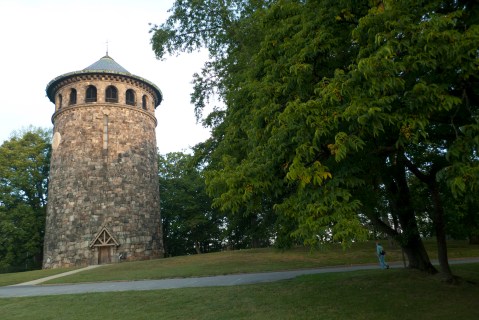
[381, 256]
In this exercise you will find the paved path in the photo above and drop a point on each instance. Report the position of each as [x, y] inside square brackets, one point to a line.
[29, 290]
[64, 274]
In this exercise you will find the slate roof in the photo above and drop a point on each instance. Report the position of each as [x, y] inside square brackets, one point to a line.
[105, 65]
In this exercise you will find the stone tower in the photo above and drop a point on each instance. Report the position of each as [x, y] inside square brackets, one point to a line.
[103, 197]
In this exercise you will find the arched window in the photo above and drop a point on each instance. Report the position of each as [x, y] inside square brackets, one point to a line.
[90, 94]
[144, 102]
[60, 101]
[111, 94]
[130, 97]
[73, 96]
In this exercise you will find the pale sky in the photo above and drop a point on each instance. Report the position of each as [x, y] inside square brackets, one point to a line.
[42, 39]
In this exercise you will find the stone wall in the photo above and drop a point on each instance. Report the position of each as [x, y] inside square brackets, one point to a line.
[103, 174]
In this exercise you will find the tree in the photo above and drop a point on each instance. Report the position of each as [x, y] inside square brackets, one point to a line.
[335, 105]
[190, 225]
[24, 169]
[414, 80]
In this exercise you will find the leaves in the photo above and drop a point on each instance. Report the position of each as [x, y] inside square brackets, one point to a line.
[24, 169]
[326, 99]
[190, 224]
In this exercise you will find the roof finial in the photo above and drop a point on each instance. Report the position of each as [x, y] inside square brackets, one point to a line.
[107, 48]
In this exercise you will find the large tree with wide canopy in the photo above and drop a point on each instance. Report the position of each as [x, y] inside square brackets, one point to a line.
[331, 108]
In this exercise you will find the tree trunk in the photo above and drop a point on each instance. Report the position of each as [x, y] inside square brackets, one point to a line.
[410, 239]
[440, 228]
[438, 214]
[401, 205]
[417, 254]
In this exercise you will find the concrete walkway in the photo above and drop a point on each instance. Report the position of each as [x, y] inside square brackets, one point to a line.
[29, 290]
[64, 274]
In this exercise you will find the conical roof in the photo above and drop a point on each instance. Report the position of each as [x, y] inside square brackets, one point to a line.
[106, 64]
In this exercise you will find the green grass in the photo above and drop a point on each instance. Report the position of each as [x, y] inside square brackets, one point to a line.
[375, 294]
[7, 279]
[257, 260]
[240, 261]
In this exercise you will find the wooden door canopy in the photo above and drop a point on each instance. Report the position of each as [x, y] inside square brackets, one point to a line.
[104, 238]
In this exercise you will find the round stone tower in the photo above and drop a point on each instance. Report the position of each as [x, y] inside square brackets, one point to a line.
[103, 195]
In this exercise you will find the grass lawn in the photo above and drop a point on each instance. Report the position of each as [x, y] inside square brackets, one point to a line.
[375, 294]
[255, 260]
[239, 261]
[7, 279]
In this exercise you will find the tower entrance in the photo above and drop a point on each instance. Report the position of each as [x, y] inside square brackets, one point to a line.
[104, 243]
[104, 254]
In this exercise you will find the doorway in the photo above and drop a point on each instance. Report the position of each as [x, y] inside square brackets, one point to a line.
[104, 254]
[106, 245]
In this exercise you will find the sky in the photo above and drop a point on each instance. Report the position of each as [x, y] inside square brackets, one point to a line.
[40, 40]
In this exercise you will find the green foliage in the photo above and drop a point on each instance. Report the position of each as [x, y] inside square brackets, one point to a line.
[331, 105]
[24, 168]
[274, 143]
[190, 225]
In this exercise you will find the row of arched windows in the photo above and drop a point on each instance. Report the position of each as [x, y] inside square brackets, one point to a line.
[111, 95]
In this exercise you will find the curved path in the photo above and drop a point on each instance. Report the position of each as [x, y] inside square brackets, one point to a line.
[29, 290]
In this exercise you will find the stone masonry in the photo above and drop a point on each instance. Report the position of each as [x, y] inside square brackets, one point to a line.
[103, 198]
